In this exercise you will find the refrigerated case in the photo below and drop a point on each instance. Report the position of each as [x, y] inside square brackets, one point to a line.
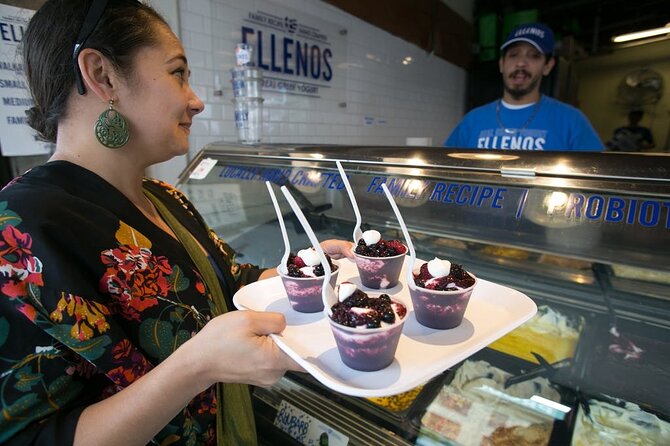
[585, 235]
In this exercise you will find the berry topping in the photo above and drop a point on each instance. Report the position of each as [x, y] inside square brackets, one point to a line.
[457, 279]
[294, 264]
[361, 310]
[382, 248]
[397, 245]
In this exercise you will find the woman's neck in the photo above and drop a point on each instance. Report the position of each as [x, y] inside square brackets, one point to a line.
[112, 165]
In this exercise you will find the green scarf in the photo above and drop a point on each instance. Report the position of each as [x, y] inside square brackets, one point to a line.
[235, 425]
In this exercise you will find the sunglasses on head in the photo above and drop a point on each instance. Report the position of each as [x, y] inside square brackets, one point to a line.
[90, 22]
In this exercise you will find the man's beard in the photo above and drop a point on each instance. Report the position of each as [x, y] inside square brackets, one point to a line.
[519, 92]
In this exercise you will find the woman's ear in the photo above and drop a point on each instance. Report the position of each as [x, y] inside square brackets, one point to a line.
[97, 73]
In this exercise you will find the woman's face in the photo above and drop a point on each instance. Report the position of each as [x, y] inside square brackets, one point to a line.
[158, 102]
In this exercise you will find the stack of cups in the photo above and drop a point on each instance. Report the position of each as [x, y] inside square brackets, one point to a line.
[247, 81]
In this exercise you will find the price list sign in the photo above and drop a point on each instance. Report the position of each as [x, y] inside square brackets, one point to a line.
[16, 136]
[306, 429]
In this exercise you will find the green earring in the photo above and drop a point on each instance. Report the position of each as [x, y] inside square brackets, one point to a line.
[111, 129]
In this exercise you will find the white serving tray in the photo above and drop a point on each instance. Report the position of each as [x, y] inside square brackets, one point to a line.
[423, 353]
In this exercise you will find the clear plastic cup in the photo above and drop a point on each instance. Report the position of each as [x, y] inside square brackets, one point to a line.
[243, 53]
[248, 119]
[367, 349]
[304, 293]
[246, 82]
[440, 309]
[379, 273]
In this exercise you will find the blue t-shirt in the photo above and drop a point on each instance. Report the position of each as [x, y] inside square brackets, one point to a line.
[553, 126]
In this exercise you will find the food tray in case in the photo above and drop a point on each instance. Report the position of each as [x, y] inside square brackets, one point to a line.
[422, 354]
[602, 374]
[397, 413]
[560, 431]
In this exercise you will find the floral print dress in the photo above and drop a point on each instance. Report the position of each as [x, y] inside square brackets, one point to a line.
[93, 296]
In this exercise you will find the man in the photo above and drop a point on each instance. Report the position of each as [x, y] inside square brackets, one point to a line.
[632, 137]
[524, 119]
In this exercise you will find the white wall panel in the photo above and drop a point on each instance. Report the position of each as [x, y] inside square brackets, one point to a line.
[423, 99]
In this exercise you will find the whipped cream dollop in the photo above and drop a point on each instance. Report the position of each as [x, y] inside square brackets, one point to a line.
[345, 290]
[371, 237]
[311, 259]
[309, 256]
[439, 268]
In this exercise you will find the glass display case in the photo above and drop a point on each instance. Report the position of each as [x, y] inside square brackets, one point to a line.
[585, 235]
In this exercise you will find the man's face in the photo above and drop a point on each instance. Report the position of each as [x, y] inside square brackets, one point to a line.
[522, 67]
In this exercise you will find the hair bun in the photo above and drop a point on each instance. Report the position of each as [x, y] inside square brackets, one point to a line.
[36, 118]
[38, 121]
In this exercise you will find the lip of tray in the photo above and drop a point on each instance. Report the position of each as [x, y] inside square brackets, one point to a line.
[423, 353]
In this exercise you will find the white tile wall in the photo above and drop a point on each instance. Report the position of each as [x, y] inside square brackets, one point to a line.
[424, 99]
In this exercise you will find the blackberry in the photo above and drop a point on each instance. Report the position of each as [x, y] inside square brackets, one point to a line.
[385, 298]
[461, 277]
[388, 315]
[294, 271]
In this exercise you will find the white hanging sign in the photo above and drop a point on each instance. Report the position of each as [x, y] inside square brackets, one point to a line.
[17, 138]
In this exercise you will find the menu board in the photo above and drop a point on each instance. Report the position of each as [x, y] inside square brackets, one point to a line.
[17, 138]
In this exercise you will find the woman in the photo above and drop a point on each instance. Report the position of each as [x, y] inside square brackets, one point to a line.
[109, 332]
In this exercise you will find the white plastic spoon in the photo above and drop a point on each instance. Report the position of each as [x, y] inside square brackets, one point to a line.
[358, 234]
[287, 246]
[327, 293]
[408, 240]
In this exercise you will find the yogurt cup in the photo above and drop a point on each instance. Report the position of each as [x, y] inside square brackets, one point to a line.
[304, 293]
[379, 273]
[369, 349]
[440, 309]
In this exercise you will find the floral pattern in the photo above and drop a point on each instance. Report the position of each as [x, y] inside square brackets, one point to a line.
[88, 316]
[96, 310]
[134, 277]
[19, 267]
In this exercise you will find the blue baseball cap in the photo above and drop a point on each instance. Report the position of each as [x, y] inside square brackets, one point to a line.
[537, 34]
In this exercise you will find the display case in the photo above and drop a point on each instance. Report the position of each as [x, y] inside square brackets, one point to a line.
[585, 235]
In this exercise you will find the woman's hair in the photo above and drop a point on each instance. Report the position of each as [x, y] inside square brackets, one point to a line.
[48, 45]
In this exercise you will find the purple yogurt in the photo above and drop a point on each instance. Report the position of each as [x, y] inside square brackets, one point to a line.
[379, 273]
[440, 309]
[304, 293]
[368, 349]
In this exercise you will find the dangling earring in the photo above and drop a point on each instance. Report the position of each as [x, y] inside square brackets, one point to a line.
[111, 129]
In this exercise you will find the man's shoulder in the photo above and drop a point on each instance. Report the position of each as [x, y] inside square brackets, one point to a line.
[555, 104]
[482, 109]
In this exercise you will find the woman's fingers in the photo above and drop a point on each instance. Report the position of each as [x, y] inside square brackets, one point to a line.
[338, 249]
[262, 323]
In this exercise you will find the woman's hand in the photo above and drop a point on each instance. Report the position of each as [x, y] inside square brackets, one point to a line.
[338, 249]
[236, 347]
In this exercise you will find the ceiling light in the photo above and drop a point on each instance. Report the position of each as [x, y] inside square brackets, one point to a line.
[642, 34]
